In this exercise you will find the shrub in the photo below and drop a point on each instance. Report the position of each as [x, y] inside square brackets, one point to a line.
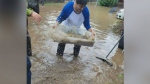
[107, 3]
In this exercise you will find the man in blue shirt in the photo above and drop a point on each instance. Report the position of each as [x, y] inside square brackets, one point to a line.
[74, 14]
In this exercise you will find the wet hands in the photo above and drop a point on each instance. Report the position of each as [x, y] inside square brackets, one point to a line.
[55, 25]
[89, 35]
[36, 16]
[92, 31]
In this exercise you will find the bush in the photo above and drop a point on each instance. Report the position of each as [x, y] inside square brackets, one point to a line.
[107, 3]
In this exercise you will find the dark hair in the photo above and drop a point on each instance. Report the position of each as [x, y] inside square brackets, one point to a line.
[82, 2]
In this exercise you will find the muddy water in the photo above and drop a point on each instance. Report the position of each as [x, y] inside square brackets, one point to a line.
[47, 68]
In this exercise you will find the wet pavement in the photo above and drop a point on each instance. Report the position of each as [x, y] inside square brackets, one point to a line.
[47, 68]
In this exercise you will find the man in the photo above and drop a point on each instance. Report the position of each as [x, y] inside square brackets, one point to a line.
[37, 17]
[74, 14]
[32, 5]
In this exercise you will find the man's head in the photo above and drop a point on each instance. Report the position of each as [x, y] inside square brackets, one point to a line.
[79, 5]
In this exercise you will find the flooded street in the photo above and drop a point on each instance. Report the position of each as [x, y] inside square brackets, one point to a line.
[47, 68]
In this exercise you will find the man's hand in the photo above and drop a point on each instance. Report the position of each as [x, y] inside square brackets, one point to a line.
[56, 25]
[92, 31]
[36, 16]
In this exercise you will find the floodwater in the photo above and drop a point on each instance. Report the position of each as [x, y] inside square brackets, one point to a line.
[47, 68]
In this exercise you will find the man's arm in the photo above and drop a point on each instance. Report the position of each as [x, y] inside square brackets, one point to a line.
[87, 21]
[63, 16]
[33, 14]
[66, 11]
[86, 15]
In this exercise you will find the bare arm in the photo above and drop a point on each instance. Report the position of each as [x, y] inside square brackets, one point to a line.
[33, 14]
[36, 16]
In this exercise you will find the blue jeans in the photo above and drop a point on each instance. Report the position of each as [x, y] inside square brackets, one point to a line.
[28, 71]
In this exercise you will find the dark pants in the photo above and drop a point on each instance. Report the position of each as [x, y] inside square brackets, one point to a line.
[28, 71]
[121, 42]
[29, 49]
[61, 48]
